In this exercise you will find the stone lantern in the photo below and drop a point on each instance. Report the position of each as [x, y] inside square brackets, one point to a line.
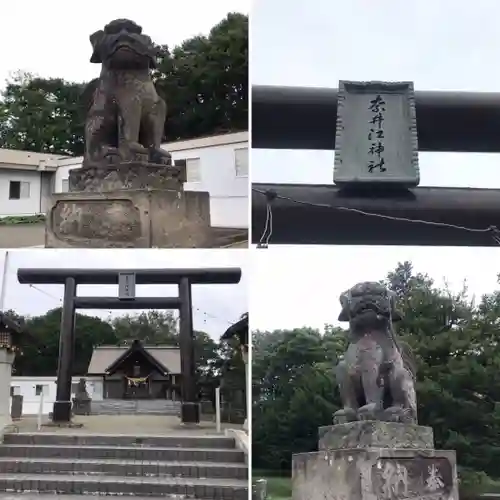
[10, 332]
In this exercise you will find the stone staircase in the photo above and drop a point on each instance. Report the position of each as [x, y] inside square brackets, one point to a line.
[171, 467]
[136, 407]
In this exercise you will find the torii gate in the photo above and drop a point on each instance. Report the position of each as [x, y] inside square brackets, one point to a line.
[127, 279]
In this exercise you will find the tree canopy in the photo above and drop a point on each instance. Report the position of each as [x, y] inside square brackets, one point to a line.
[204, 82]
[456, 343]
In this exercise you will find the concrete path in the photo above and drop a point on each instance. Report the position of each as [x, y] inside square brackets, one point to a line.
[123, 424]
[22, 235]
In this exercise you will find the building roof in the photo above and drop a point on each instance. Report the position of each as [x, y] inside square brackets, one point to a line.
[14, 158]
[105, 356]
[238, 329]
[30, 160]
[9, 323]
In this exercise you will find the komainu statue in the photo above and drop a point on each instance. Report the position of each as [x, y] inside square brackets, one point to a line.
[125, 115]
[376, 376]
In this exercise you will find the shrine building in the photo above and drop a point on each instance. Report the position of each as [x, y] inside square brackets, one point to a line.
[137, 371]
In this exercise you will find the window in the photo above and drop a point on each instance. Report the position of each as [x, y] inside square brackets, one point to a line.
[19, 190]
[193, 170]
[241, 162]
[65, 186]
[15, 390]
[39, 388]
[74, 388]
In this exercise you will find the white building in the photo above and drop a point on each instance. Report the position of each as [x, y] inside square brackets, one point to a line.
[31, 388]
[216, 164]
[26, 182]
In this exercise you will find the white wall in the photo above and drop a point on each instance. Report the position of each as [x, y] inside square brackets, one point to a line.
[26, 386]
[228, 192]
[24, 206]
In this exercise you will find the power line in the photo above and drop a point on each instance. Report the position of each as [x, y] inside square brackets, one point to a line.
[111, 312]
[272, 195]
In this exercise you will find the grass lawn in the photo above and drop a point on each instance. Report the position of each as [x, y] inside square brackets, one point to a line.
[279, 487]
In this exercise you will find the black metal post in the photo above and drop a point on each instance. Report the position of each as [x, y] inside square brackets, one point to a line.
[62, 406]
[190, 408]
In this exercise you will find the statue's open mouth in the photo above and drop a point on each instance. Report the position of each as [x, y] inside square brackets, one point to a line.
[124, 47]
[364, 307]
[129, 46]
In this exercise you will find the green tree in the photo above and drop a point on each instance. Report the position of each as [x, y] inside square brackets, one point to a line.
[205, 82]
[293, 391]
[42, 115]
[41, 348]
[458, 356]
[151, 327]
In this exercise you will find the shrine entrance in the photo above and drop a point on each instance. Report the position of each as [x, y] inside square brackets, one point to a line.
[127, 281]
[139, 373]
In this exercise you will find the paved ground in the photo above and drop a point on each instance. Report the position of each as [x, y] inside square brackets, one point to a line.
[33, 235]
[55, 496]
[123, 424]
[22, 235]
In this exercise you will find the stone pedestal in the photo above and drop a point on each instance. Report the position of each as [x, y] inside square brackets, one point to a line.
[132, 175]
[375, 461]
[132, 205]
[6, 360]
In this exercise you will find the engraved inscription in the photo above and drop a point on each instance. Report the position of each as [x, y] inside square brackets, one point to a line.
[434, 481]
[419, 478]
[395, 480]
[110, 220]
[376, 135]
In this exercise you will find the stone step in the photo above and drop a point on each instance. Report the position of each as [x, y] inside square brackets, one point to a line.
[152, 412]
[133, 407]
[122, 453]
[163, 441]
[123, 468]
[47, 496]
[217, 489]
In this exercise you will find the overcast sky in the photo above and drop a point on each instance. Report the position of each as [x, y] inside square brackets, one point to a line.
[437, 44]
[216, 307]
[54, 42]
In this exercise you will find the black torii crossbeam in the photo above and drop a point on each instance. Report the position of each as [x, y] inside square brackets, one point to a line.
[306, 118]
[126, 279]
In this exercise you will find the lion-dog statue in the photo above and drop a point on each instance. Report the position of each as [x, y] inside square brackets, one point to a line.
[125, 114]
[376, 376]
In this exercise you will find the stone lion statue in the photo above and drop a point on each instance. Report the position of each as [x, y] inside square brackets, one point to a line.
[376, 376]
[125, 114]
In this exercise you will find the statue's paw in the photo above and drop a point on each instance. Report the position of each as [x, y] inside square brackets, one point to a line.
[399, 414]
[369, 412]
[110, 155]
[344, 416]
[160, 156]
[137, 148]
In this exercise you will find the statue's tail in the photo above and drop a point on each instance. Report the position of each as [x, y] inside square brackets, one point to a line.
[409, 359]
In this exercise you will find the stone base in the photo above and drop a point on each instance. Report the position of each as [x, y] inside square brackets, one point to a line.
[375, 473]
[375, 434]
[129, 219]
[62, 425]
[131, 175]
[190, 413]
